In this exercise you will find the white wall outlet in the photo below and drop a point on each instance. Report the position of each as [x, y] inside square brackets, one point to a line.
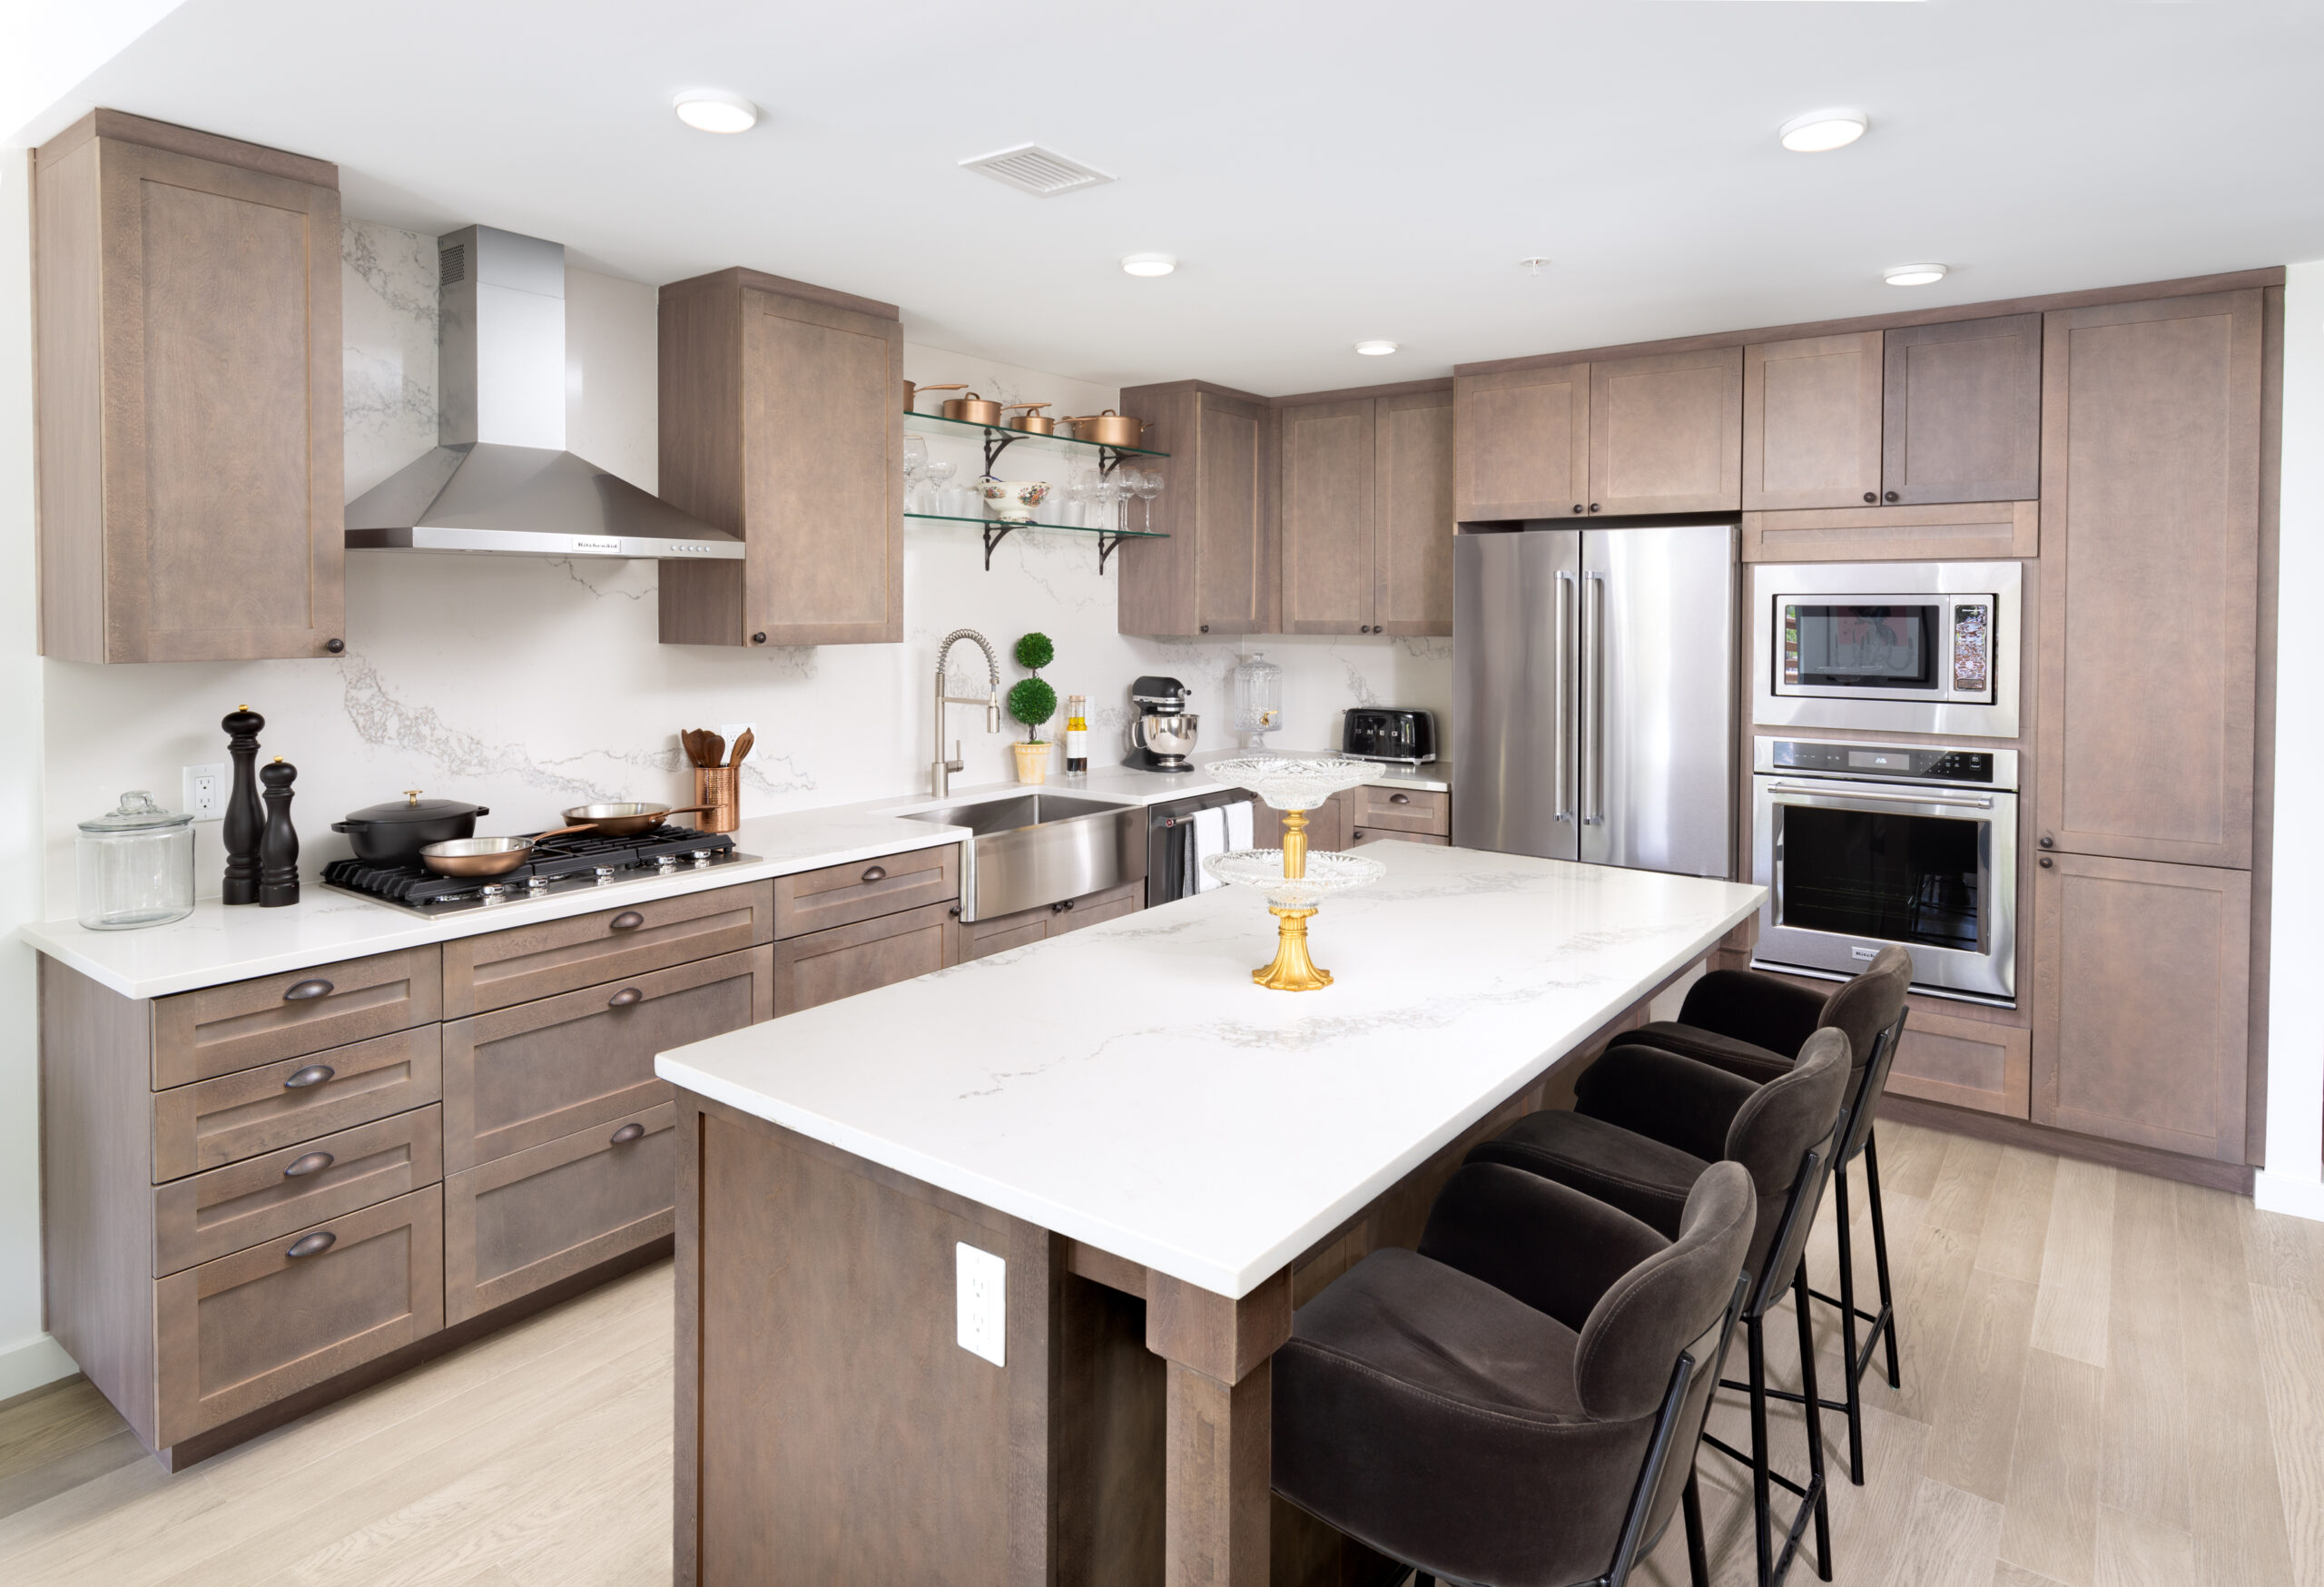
[203, 793]
[731, 732]
[983, 1280]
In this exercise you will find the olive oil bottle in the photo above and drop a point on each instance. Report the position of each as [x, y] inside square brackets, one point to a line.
[1076, 734]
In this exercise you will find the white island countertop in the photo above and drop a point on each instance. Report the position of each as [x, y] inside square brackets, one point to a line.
[1127, 1085]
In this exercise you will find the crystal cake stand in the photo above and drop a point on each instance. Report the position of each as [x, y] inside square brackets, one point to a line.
[1293, 879]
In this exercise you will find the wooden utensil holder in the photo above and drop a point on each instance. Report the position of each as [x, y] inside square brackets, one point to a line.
[720, 787]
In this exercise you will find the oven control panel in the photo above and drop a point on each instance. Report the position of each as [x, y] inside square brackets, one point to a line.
[1914, 762]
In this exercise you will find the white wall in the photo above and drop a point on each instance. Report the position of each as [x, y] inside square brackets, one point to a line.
[2293, 1180]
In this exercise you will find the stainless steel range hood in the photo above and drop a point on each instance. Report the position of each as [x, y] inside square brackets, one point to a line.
[500, 478]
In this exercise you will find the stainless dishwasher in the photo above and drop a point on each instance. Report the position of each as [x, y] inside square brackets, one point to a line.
[1169, 841]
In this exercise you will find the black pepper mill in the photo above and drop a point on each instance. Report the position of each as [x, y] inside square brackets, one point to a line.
[277, 845]
[245, 816]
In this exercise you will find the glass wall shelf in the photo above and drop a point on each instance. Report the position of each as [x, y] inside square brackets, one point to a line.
[999, 438]
[995, 531]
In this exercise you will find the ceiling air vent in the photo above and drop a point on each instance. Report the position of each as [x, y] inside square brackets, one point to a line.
[1029, 168]
[452, 265]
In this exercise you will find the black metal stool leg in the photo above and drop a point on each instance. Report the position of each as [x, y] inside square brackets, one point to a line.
[1813, 1407]
[1697, 1556]
[1848, 1324]
[1880, 1247]
[1762, 1517]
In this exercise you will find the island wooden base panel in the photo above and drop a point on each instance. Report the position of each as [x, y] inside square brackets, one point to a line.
[2108, 1379]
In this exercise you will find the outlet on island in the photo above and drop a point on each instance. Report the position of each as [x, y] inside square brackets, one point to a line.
[983, 1301]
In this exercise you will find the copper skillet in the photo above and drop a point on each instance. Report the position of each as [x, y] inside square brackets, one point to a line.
[499, 856]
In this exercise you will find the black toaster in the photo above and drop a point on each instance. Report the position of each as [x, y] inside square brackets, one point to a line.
[1385, 733]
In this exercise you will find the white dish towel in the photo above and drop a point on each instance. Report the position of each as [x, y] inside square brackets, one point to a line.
[1238, 826]
[1210, 838]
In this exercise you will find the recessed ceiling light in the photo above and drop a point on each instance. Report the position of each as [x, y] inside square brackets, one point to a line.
[1375, 349]
[1822, 130]
[713, 110]
[1148, 263]
[1913, 275]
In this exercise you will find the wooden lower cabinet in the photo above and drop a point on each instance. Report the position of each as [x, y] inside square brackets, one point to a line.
[228, 1209]
[825, 966]
[501, 969]
[239, 1116]
[980, 939]
[521, 1077]
[243, 1331]
[199, 1035]
[863, 890]
[535, 1216]
[2140, 1003]
[1968, 1063]
[1364, 834]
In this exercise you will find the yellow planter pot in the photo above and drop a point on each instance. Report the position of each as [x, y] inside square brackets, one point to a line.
[1032, 761]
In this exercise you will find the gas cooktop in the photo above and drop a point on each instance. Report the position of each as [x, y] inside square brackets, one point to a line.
[560, 865]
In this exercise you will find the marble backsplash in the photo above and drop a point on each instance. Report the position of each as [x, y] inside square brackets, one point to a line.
[529, 685]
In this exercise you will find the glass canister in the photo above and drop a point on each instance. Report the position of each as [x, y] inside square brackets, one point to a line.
[136, 867]
[1257, 686]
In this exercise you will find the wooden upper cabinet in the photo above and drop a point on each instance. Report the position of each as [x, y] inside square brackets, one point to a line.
[1217, 572]
[1666, 433]
[1330, 525]
[1963, 411]
[191, 427]
[2150, 578]
[1413, 506]
[781, 420]
[2142, 1005]
[1521, 444]
[1811, 422]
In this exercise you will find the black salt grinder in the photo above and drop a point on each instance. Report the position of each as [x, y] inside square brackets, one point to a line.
[277, 845]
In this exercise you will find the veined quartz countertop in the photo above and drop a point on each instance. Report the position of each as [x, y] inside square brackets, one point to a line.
[215, 944]
[1127, 1085]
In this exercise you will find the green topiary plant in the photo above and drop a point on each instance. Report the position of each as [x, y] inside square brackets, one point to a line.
[1033, 701]
[1035, 651]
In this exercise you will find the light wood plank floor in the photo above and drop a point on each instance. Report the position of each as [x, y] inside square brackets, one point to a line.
[2109, 1381]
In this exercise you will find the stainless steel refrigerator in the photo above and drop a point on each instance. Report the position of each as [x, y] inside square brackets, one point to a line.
[1593, 695]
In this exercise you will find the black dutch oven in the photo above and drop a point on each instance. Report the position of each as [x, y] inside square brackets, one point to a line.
[394, 833]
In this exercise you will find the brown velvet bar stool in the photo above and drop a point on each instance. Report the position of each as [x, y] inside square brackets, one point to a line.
[1516, 1404]
[1645, 1124]
[1752, 1025]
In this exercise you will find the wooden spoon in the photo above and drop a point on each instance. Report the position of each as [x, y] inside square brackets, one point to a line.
[743, 747]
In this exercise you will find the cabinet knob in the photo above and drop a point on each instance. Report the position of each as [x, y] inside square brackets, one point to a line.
[2048, 842]
[1577, 506]
[313, 1245]
[629, 920]
[314, 1074]
[1069, 903]
[1593, 506]
[758, 638]
[316, 987]
[954, 911]
[1206, 627]
[628, 997]
[1888, 496]
[312, 1163]
[335, 645]
[875, 872]
[2048, 861]
[1872, 496]
[1400, 799]
[629, 1132]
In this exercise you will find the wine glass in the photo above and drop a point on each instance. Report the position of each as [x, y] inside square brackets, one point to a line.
[940, 472]
[1148, 485]
[915, 459]
[1077, 494]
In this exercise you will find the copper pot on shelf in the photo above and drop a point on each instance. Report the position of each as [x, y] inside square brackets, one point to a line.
[971, 408]
[912, 390]
[1108, 428]
[1033, 421]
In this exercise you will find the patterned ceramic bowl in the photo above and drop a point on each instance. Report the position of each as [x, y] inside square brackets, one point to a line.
[1013, 501]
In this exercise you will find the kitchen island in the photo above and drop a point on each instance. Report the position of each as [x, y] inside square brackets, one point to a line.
[1163, 1159]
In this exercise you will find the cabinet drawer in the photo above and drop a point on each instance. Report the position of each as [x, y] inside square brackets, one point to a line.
[547, 1213]
[219, 1122]
[522, 1077]
[1092, 908]
[503, 968]
[840, 895]
[839, 963]
[221, 1028]
[246, 1330]
[1364, 834]
[982, 939]
[1402, 810]
[231, 1209]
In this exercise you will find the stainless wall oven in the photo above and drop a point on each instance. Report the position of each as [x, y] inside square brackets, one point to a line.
[1865, 844]
[1887, 646]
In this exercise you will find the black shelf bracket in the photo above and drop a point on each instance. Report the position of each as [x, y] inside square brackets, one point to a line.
[1107, 546]
[1109, 459]
[996, 442]
[994, 533]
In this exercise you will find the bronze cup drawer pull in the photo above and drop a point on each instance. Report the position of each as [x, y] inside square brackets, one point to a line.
[1400, 799]
[625, 998]
[313, 1245]
[629, 1132]
[312, 1163]
[314, 1074]
[305, 990]
[629, 920]
[875, 872]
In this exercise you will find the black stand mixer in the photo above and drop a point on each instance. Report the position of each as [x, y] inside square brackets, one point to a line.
[1161, 728]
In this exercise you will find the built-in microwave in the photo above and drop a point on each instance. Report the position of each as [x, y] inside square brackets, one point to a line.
[1888, 646]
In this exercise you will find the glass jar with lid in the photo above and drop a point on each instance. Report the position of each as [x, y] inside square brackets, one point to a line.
[136, 867]
[1259, 699]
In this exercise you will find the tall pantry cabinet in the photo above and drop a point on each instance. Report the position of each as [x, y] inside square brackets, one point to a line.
[2151, 535]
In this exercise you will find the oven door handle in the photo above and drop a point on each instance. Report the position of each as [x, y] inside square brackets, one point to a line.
[1983, 803]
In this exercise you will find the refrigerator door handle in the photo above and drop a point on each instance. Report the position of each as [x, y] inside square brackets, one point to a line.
[1593, 701]
[1563, 779]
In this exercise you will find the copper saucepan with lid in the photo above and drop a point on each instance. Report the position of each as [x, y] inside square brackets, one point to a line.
[1033, 420]
[912, 390]
[972, 409]
[1108, 428]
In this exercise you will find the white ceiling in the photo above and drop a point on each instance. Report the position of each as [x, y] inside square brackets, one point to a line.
[1326, 170]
